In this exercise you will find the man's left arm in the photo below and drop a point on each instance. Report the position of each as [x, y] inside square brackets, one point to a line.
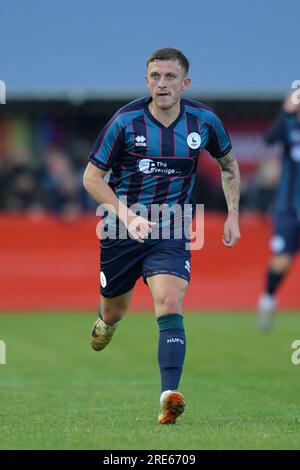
[230, 175]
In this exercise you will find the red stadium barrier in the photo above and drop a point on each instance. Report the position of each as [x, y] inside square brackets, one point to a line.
[50, 264]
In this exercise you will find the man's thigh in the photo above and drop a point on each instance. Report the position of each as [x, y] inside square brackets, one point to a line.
[168, 292]
[285, 239]
[121, 266]
[167, 257]
[166, 269]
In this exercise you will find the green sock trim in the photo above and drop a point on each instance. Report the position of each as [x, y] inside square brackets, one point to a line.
[173, 321]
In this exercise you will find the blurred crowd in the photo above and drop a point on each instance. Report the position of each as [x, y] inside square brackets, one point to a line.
[41, 167]
[42, 163]
[53, 183]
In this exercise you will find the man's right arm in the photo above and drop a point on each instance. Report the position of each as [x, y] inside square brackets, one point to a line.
[96, 186]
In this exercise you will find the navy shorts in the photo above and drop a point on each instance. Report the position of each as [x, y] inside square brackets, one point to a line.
[286, 233]
[123, 262]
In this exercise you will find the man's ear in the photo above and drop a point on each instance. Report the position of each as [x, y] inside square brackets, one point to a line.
[186, 83]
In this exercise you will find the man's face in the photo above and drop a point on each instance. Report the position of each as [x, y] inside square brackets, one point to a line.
[166, 81]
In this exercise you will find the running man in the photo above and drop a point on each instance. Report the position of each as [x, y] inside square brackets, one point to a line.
[150, 148]
[285, 241]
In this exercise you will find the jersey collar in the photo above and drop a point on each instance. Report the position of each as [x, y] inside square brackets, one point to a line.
[159, 124]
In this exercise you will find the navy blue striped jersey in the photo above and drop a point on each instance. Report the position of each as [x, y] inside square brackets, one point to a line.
[154, 164]
[286, 130]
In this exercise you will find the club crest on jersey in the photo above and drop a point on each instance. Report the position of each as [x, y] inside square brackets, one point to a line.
[140, 141]
[193, 140]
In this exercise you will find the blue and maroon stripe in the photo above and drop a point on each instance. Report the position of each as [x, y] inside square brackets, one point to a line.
[139, 128]
[192, 125]
[167, 143]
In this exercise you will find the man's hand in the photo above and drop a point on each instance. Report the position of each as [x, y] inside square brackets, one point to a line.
[138, 227]
[231, 231]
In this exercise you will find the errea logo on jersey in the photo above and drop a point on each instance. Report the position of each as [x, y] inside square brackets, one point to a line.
[140, 141]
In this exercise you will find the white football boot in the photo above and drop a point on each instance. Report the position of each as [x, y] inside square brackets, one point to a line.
[265, 315]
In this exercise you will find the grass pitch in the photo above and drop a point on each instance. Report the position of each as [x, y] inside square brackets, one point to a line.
[241, 388]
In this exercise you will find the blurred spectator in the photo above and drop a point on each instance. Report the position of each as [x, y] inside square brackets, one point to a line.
[22, 189]
[19, 180]
[60, 184]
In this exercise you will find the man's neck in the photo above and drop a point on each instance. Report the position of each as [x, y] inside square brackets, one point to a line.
[165, 116]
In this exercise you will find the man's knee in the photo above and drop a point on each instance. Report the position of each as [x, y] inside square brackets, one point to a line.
[168, 302]
[168, 293]
[112, 310]
[281, 263]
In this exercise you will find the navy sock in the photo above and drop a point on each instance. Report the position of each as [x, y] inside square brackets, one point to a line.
[273, 281]
[171, 350]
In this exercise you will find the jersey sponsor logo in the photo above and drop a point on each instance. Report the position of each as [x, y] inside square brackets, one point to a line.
[187, 266]
[146, 166]
[193, 140]
[168, 166]
[175, 340]
[103, 280]
[140, 141]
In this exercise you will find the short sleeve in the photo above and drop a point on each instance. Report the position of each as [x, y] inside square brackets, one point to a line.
[219, 143]
[275, 133]
[108, 145]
